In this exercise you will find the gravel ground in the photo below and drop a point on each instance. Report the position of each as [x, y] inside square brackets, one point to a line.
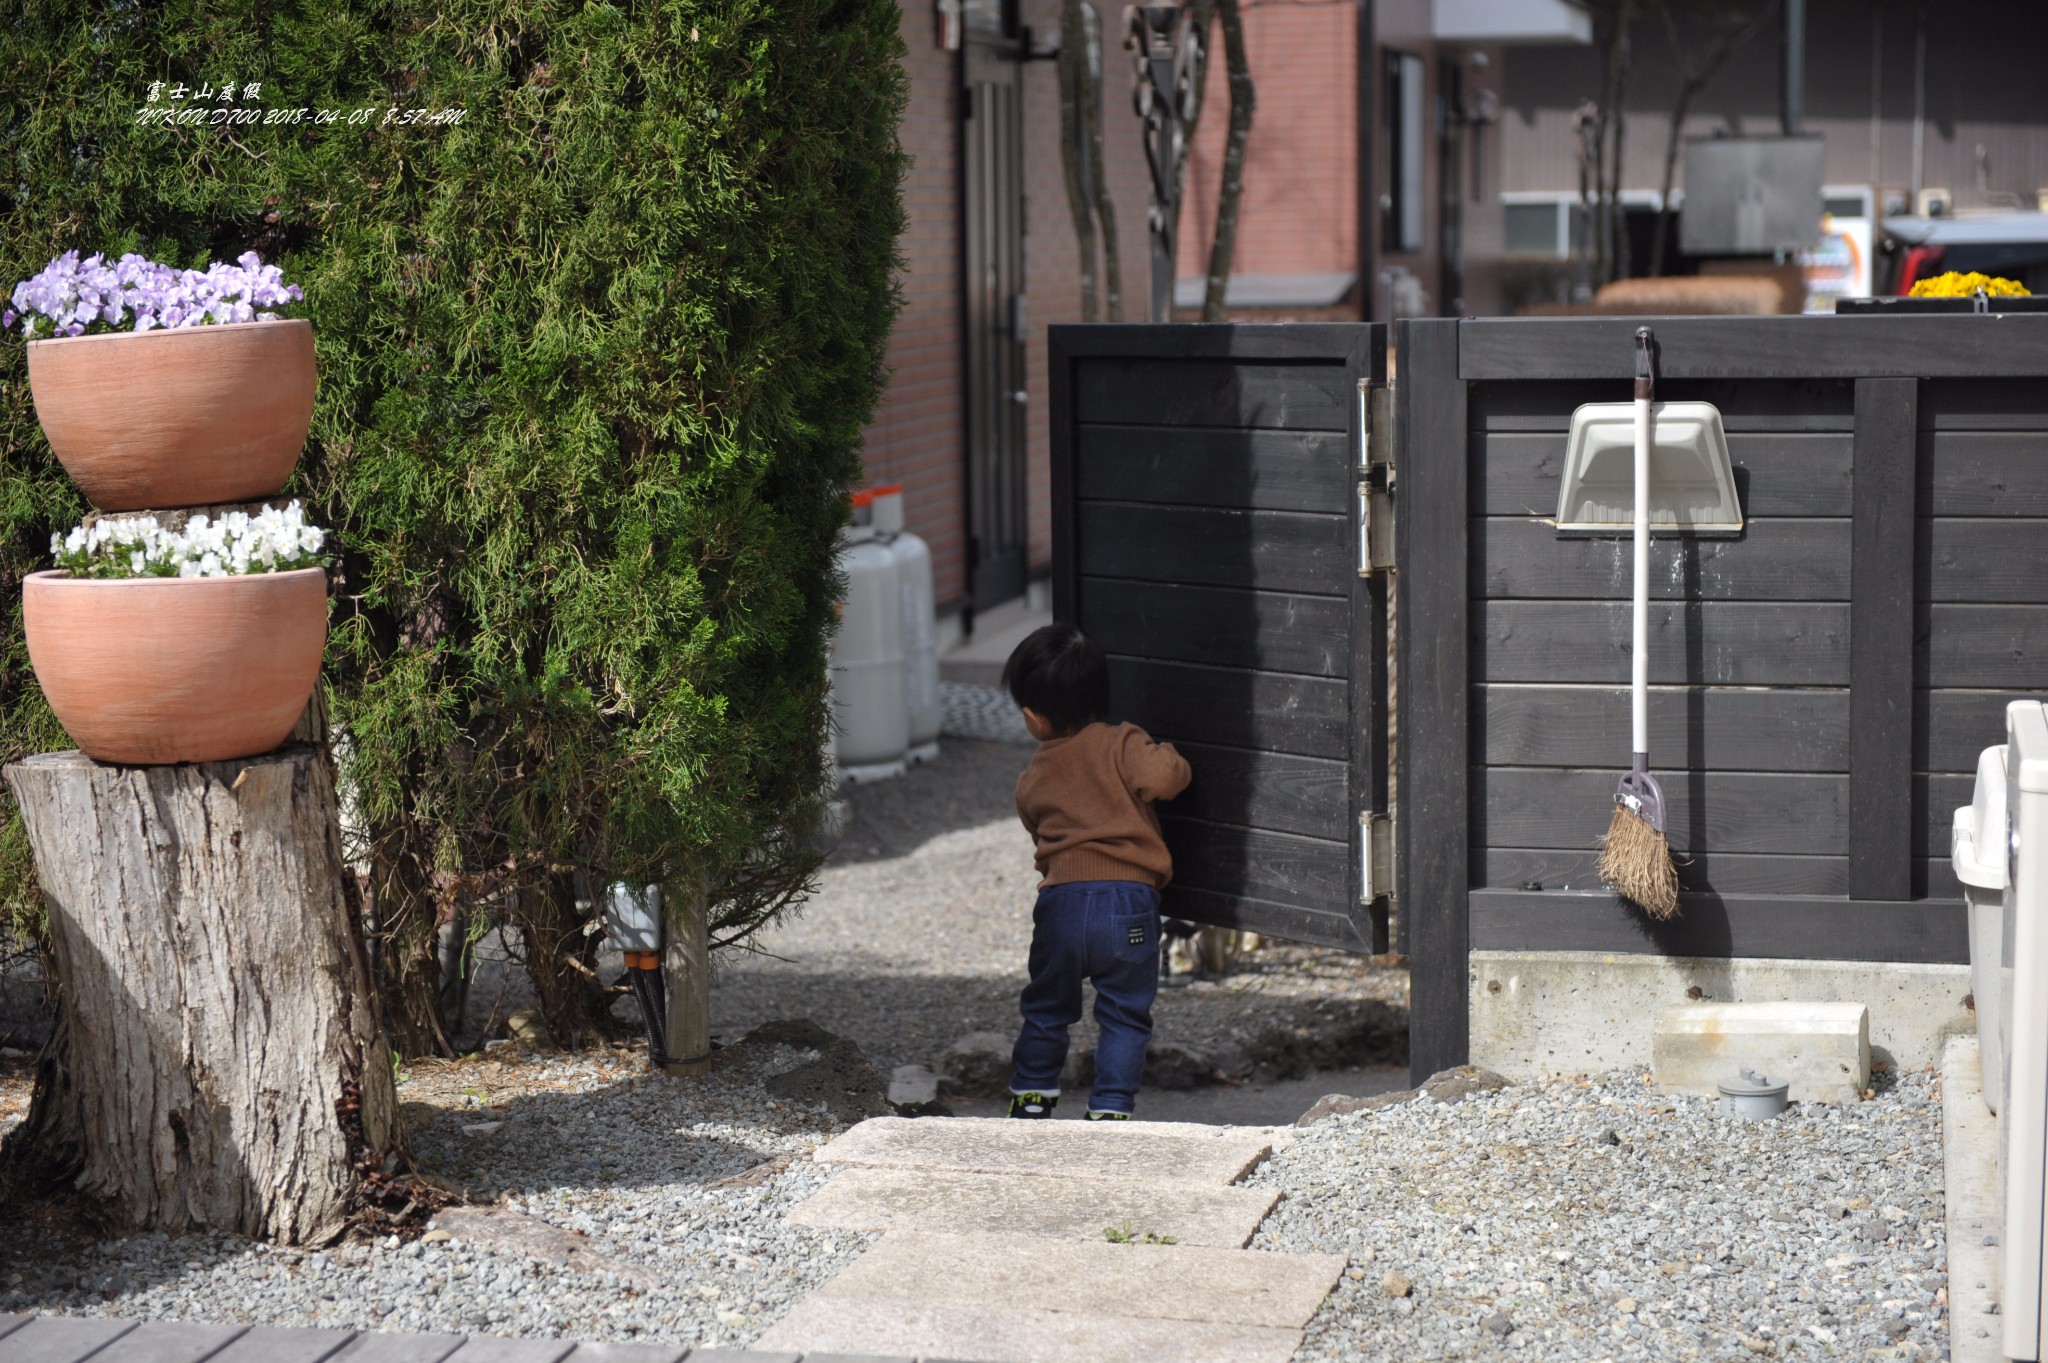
[919, 934]
[681, 1184]
[1600, 1219]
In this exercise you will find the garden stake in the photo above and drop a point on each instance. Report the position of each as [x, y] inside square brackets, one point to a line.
[1635, 856]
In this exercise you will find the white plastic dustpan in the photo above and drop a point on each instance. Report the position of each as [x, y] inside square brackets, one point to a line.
[1692, 484]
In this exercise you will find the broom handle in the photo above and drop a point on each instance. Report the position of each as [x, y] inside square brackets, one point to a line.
[1639, 671]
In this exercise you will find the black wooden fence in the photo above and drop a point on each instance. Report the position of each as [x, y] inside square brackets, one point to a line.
[1206, 531]
[1821, 685]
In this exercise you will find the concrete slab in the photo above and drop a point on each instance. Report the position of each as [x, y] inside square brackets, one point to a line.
[1822, 1050]
[1969, 1163]
[864, 1198]
[974, 1334]
[1166, 1282]
[1144, 1152]
[1536, 1013]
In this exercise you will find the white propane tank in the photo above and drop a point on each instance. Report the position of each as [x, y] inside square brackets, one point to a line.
[867, 661]
[920, 642]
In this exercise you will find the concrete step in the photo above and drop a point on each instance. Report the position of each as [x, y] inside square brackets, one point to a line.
[971, 1334]
[1131, 1152]
[1024, 1273]
[865, 1198]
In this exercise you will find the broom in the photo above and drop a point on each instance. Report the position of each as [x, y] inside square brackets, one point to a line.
[1635, 857]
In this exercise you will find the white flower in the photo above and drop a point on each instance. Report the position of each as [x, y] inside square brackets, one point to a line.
[138, 562]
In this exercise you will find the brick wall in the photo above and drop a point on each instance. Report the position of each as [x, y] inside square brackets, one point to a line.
[1299, 213]
[915, 436]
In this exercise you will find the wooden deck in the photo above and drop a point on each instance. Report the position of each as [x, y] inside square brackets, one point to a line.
[74, 1339]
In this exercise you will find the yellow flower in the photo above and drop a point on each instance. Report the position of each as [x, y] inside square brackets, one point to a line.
[1953, 285]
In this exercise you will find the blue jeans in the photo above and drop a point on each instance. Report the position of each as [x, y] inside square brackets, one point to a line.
[1107, 932]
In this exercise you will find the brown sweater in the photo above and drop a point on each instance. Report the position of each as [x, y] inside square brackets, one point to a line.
[1087, 801]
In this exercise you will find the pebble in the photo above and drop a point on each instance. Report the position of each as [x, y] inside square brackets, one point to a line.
[1521, 1229]
[635, 1166]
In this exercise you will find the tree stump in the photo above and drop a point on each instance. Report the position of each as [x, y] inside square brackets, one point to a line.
[216, 1060]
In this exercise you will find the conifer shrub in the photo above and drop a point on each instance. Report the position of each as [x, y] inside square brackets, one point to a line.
[600, 295]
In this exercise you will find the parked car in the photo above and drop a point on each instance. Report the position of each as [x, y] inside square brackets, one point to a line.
[2011, 245]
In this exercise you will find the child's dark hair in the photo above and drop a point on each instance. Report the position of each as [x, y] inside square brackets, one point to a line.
[1060, 673]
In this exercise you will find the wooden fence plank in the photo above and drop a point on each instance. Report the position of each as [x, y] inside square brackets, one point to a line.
[1716, 811]
[1983, 473]
[1518, 868]
[1988, 561]
[172, 1342]
[1791, 927]
[62, 1339]
[273, 1344]
[1293, 922]
[1778, 560]
[1715, 643]
[1271, 631]
[1280, 551]
[1275, 711]
[1496, 348]
[1778, 473]
[1776, 406]
[658, 1353]
[383, 1348]
[1982, 404]
[1265, 342]
[1699, 728]
[1260, 865]
[1270, 790]
[1255, 470]
[1230, 393]
[1984, 646]
[491, 1349]
[1432, 866]
[1951, 728]
[1881, 640]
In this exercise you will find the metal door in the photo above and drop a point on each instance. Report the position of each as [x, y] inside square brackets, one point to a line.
[992, 189]
[1219, 527]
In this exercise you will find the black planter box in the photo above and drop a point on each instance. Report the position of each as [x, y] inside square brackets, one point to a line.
[1923, 306]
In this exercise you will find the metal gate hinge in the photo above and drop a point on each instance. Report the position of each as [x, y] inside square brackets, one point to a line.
[1376, 861]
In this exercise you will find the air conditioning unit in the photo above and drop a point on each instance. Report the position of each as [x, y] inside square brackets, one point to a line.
[1935, 203]
[2023, 1025]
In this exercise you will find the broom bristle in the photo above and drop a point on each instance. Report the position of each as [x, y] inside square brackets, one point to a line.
[1635, 859]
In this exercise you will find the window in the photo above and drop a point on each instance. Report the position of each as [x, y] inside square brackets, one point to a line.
[1403, 204]
[1533, 229]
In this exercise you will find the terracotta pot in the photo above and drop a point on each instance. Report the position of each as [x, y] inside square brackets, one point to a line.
[195, 416]
[153, 670]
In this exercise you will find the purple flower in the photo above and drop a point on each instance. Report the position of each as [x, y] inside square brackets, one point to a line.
[73, 295]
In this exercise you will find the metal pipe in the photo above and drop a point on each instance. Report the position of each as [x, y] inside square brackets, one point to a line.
[1919, 107]
[1877, 103]
[1794, 113]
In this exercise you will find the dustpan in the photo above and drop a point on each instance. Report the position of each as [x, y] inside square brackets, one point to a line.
[1692, 483]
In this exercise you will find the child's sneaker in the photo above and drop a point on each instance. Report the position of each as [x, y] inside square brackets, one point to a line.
[1098, 1115]
[1032, 1105]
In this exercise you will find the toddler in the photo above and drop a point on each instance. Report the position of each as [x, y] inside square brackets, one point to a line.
[1086, 800]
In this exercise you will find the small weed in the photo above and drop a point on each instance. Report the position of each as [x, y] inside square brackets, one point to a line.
[1124, 1235]
[399, 1073]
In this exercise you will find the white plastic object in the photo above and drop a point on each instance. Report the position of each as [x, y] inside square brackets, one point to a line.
[926, 712]
[1692, 480]
[1977, 850]
[867, 664]
[2023, 1028]
[632, 917]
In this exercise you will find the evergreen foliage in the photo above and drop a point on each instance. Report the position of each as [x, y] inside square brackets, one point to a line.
[595, 356]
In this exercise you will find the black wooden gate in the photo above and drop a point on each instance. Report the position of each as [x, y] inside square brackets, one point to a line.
[1208, 485]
